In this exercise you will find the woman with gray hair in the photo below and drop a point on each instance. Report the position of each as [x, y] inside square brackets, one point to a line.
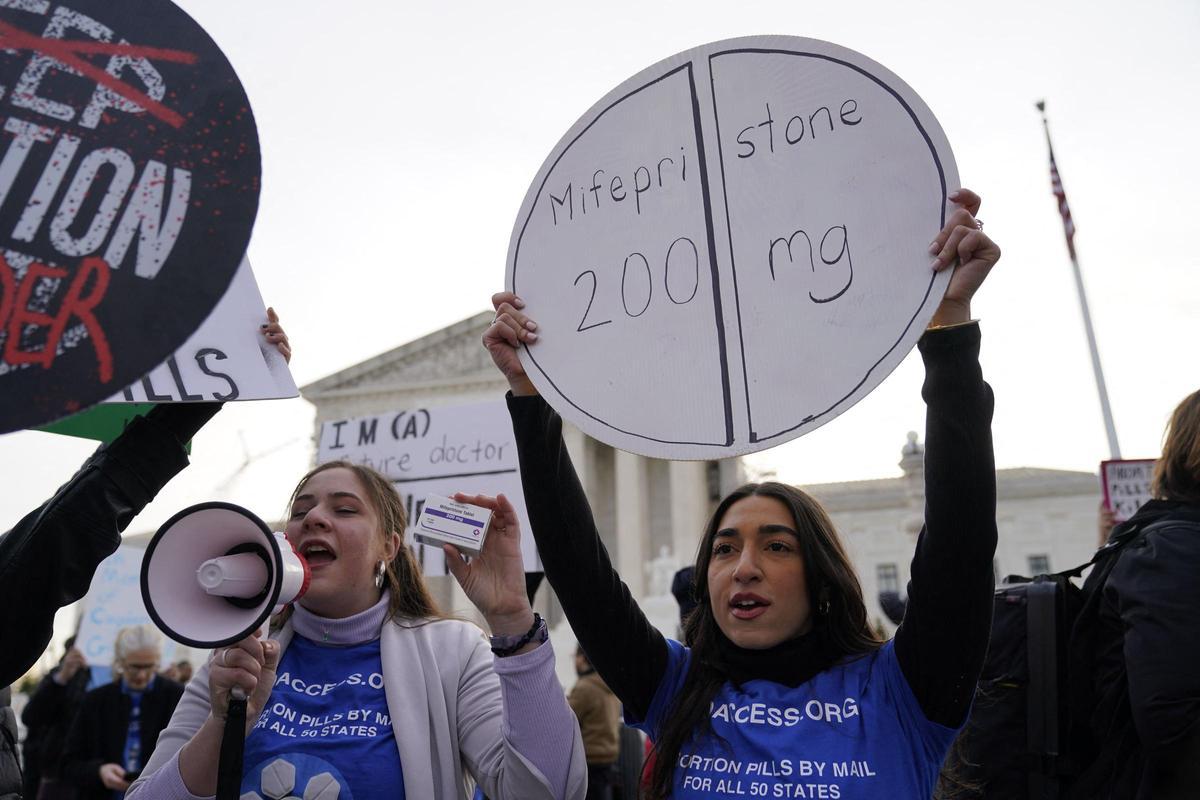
[119, 723]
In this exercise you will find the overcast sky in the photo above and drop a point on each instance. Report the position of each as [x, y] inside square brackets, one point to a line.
[399, 139]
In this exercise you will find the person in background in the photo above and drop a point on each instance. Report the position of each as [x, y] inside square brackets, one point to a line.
[1145, 682]
[48, 716]
[683, 588]
[599, 713]
[117, 726]
[184, 669]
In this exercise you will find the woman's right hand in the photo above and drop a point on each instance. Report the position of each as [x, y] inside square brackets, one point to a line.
[248, 665]
[509, 330]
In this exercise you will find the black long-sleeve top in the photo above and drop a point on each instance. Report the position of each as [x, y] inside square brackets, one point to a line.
[47, 560]
[941, 643]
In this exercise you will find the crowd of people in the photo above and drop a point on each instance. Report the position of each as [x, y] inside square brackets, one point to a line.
[777, 686]
[117, 727]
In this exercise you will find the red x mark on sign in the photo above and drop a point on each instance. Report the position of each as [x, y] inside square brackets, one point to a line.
[68, 53]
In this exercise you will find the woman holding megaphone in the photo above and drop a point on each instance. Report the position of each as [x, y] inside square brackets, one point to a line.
[782, 688]
[367, 690]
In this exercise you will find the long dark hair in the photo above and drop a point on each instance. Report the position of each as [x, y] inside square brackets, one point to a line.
[834, 588]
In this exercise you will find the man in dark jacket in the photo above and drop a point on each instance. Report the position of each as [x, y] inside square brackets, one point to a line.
[117, 727]
[48, 715]
[48, 559]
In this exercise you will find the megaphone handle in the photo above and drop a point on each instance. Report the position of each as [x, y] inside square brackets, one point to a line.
[233, 747]
[233, 741]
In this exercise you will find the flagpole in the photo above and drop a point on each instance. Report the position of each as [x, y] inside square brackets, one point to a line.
[1069, 229]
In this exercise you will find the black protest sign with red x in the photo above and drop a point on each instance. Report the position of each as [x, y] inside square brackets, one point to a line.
[129, 182]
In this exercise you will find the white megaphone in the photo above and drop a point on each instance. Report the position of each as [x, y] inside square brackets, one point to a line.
[214, 573]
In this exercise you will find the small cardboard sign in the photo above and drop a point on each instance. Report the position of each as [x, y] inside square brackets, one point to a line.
[129, 182]
[1126, 484]
[437, 451]
[731, 248]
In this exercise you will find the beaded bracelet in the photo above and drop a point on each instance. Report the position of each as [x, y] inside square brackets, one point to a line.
[500, 644]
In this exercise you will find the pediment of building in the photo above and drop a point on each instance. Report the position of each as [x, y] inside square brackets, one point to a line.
[447, 355]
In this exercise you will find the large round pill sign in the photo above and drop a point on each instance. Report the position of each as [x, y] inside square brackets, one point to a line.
[731, 248]
[129, 181]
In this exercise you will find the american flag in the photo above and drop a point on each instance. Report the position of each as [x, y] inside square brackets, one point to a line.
[1060, 194]
[1064, 209]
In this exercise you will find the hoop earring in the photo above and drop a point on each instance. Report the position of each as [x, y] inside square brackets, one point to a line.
[380, 571]
[823, 603]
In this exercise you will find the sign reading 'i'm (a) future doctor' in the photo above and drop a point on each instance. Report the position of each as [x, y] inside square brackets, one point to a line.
[731, 247]
[129, 182]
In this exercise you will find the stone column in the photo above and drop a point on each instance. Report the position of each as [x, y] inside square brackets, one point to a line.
[689, 508]
[732, 475]
[633, 520]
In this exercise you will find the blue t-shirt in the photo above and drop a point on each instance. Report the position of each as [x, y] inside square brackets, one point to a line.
[325, 724]
[853, 731]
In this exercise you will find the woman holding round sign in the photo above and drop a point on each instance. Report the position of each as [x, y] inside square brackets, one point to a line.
[782, 689]
[368, 690]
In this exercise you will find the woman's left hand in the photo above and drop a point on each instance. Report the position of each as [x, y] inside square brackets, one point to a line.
[495, 579]
[962, 241]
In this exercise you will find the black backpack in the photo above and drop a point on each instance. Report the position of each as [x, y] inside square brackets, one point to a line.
[1027, 734]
